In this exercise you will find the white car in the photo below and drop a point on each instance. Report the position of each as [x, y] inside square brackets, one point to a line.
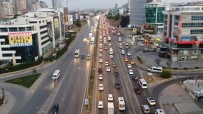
[145, 109]
[100, 60]
[110, 97]
[101, 87]
[109, 44]
[151, 101]
[123, 52]
[108, 69]
[106, 63]
[100, 55]
[100, 50]
[101, 104]
[129, 66]
[111, 56]
[119, 39]
[100, 77]
[128, 53]
[131, 72]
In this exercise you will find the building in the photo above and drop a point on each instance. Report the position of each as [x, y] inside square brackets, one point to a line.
[183, 29]
[21, 6]
[70, 20]
[154, 15]
[28, 37]
[137, 12]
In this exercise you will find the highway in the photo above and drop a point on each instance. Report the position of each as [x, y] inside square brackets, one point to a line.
[109, 79]
[69, 91]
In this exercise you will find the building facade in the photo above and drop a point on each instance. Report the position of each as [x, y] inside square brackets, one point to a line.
[183, 32]
[137, 12]
[28, 37]
[154, 15]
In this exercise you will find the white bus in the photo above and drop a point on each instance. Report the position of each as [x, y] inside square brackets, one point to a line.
[111, 51]
[77, 53]
[121, 103]
[143, 83]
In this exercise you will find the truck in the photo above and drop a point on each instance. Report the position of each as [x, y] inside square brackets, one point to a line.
[111, 51]
[110, 108]
[77, 53]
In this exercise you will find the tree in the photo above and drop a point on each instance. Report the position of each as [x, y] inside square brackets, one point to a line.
[165, 74]
[158, 61]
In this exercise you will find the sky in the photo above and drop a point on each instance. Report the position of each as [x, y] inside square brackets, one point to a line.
[83, 4]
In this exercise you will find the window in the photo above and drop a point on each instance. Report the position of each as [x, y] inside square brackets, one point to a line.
[185, 25]
[21, 28]
[13, 29]
[198, 17]
[3, 30]
[196, 31]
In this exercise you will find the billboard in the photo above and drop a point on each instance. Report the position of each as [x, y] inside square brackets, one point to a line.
[17, 39]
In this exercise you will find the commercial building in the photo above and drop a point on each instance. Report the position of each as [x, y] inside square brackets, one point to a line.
[30, 36]
[137, 12]
[154, 15]
[183, 29]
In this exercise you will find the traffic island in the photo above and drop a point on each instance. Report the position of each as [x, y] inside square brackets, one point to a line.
[26, 81]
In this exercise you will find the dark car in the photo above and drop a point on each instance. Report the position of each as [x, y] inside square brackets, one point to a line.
[116, 73]
[82, 56]
[117, 85]
[137, 90]
[135, 78]
[54, 109]
[100, 70]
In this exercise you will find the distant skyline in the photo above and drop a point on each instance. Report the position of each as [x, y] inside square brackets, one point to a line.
[88, 4]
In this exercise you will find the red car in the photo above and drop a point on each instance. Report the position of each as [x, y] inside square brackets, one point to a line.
[107, 59]
[135, 78]
[105, 48]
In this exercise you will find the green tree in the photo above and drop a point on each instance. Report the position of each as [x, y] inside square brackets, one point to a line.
[165, 74]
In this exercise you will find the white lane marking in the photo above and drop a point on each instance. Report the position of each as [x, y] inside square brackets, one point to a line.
[73, 96]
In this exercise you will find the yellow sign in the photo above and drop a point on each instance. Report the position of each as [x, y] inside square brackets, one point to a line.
[17, 39]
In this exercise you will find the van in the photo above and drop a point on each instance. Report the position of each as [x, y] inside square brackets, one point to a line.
[143, 83]
[56, 74]
[155, 69]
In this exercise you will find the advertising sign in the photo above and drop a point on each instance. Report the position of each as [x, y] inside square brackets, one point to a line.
[56, 22]
[17, 39]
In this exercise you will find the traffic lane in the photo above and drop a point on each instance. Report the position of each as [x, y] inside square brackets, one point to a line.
[42, 94]
[129, 104]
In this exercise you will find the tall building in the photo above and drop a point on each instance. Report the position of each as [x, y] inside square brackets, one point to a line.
[183, 29]
[21, 6]
[137, 12]
[154, 15]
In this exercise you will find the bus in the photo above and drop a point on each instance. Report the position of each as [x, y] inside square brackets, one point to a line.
[77, 53]
[111, 51]
[121, 103]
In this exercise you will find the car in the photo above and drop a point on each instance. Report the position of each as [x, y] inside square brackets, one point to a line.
[88, 57]
[132, 62]
[101, 87]
[100, 60]
[135, 78]
[114, 65]
[111, 56]
[100, 70]
[123, 52]
[108, 69]
[100, 55]
[130, 72]
[151, 101]
[109, 44]
[54, 109]
[159, 111]
[106, 63]
[129, 66]
[119, 39]
[145, 109]
[110, 97]
[100, 50]
[100, 105]
[129, 53]
[100, 40]
[117, 85]
[100, 77]
[105, 48]
[82, 56]
[137, 90]
[116, 73]
[126, 59]
[107, 59]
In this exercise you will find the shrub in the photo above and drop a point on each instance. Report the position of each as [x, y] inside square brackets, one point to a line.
[165, 74]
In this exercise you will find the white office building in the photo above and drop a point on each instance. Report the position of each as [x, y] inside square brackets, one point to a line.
[30, 36]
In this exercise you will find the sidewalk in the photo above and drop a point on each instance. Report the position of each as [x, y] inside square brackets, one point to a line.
[175, 100]
[8, 104]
